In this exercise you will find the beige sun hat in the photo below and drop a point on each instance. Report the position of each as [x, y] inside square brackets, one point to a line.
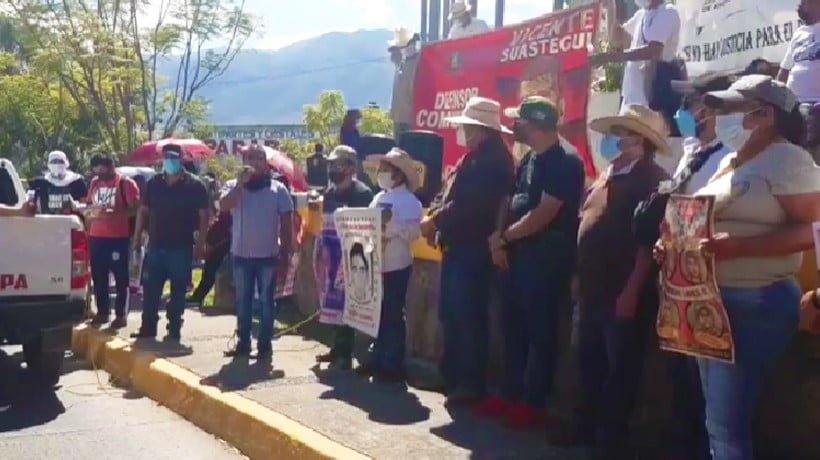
[459, 8]
[401, 38]
[638, 119]
[404, 162]
[481, 111]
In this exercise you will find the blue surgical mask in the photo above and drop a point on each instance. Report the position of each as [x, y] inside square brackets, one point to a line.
[610, 148]
[172, 166]
[687, 125]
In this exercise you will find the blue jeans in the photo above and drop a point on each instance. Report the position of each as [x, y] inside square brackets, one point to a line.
[161, 265]
[535, 285]
[463, 310]
[763, 323]
[109, 255]
[249, 275]
[388, 350]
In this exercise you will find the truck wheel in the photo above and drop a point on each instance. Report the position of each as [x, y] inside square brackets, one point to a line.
[45, 366]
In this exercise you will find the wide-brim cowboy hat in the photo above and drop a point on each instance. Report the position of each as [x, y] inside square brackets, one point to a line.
[403, 162]
[638, 119]
[401, 38]
[481, 111]
[458, 9]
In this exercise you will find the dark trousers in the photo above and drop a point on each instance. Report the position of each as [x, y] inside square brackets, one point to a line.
[344, 338]
[536, 284]
[689, 437]
[161, 265]
[463, 310]
[612, 352]
[212, 264]
[109, 255]
[389, 347]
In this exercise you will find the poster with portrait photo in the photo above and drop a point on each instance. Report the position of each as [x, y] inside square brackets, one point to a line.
[360, 233]
[691, 319]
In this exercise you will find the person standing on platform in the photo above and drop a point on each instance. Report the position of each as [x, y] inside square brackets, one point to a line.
[345, 191]
[401, 107]
[535, 248]
[462, 218]
[463, 22]
[349, 134]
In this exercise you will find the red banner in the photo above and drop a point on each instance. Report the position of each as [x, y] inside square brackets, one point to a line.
[547, 56]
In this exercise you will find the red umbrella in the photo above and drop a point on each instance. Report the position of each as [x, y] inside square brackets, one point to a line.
[282, 163]
[150, 153]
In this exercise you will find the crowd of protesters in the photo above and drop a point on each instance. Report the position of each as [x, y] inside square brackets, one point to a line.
[745, 140]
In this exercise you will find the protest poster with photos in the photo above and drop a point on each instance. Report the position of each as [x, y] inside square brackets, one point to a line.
[691, 319]
[360, 234]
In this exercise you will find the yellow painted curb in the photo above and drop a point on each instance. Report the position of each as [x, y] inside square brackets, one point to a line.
[256, 430]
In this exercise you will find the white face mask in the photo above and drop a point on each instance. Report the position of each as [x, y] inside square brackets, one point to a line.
[57, 170]
[643, 3]
[385, 180]
[729, 130]
[461, 136]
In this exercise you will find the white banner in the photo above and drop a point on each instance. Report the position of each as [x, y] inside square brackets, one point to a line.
[360, 233]
[727, 35]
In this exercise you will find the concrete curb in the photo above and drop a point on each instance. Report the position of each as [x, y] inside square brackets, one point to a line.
[257, 431]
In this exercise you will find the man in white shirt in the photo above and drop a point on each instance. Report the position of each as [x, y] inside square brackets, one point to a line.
[464, 24]
[653, 36]
[703, 150]
[800, 69]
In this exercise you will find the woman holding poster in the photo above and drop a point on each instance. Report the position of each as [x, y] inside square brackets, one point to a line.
[401, 216]
[766, 197]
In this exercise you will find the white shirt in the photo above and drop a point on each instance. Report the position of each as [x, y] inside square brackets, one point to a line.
[475, 27]
[802, 60]
[402, 229]
[661, 24]
[699, 180]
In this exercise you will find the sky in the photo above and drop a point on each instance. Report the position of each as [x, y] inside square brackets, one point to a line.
[290, 21]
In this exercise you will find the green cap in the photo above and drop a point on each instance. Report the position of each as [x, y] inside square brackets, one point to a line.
[537, 110]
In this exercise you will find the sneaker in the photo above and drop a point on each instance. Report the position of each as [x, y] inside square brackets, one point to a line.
[119, 322]
[365, 370]
[99, 319]
[325, 358]
[524, 417]
[341, 364]
[494, 406]
[144, 334]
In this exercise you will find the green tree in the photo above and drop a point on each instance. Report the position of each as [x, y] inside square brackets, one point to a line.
[324, 119]
[376, 121]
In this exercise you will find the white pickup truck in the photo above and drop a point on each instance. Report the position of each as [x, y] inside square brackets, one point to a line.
[44, 280]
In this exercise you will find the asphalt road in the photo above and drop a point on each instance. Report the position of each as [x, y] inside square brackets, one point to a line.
[82, 421]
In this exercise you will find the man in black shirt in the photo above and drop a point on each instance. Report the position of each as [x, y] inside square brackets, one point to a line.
[59, 188]
[175, 205]
[345, 191]
[317, 168]
[540, 242]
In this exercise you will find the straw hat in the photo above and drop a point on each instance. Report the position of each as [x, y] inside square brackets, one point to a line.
[460, 8]
[401, 38]
[481, 111]
[638, 119]
[404, 162]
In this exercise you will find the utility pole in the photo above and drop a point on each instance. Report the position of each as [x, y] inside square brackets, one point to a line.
[558, 5]
[499, 13]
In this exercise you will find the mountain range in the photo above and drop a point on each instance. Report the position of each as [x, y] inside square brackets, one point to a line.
[271, 87]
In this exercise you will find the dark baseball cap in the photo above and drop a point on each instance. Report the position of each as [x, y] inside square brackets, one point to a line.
[537, 110]
[172, 150]
[750, 88]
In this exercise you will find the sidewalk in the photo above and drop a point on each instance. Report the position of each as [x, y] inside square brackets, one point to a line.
[383, 422]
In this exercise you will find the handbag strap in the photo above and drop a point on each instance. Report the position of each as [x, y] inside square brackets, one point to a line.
[692, 167]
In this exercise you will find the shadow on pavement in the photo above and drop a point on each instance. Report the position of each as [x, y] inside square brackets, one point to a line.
[32, 403]
[240, 374]
[390, 404]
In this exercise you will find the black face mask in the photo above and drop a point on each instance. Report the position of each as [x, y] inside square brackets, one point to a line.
[106, 176]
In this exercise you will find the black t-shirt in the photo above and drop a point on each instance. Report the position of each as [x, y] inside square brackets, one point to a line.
[357, 196]
[54, 198]
[173, 210]
[555, 173]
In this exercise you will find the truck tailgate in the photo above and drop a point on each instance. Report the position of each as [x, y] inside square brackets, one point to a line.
[35, 255]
